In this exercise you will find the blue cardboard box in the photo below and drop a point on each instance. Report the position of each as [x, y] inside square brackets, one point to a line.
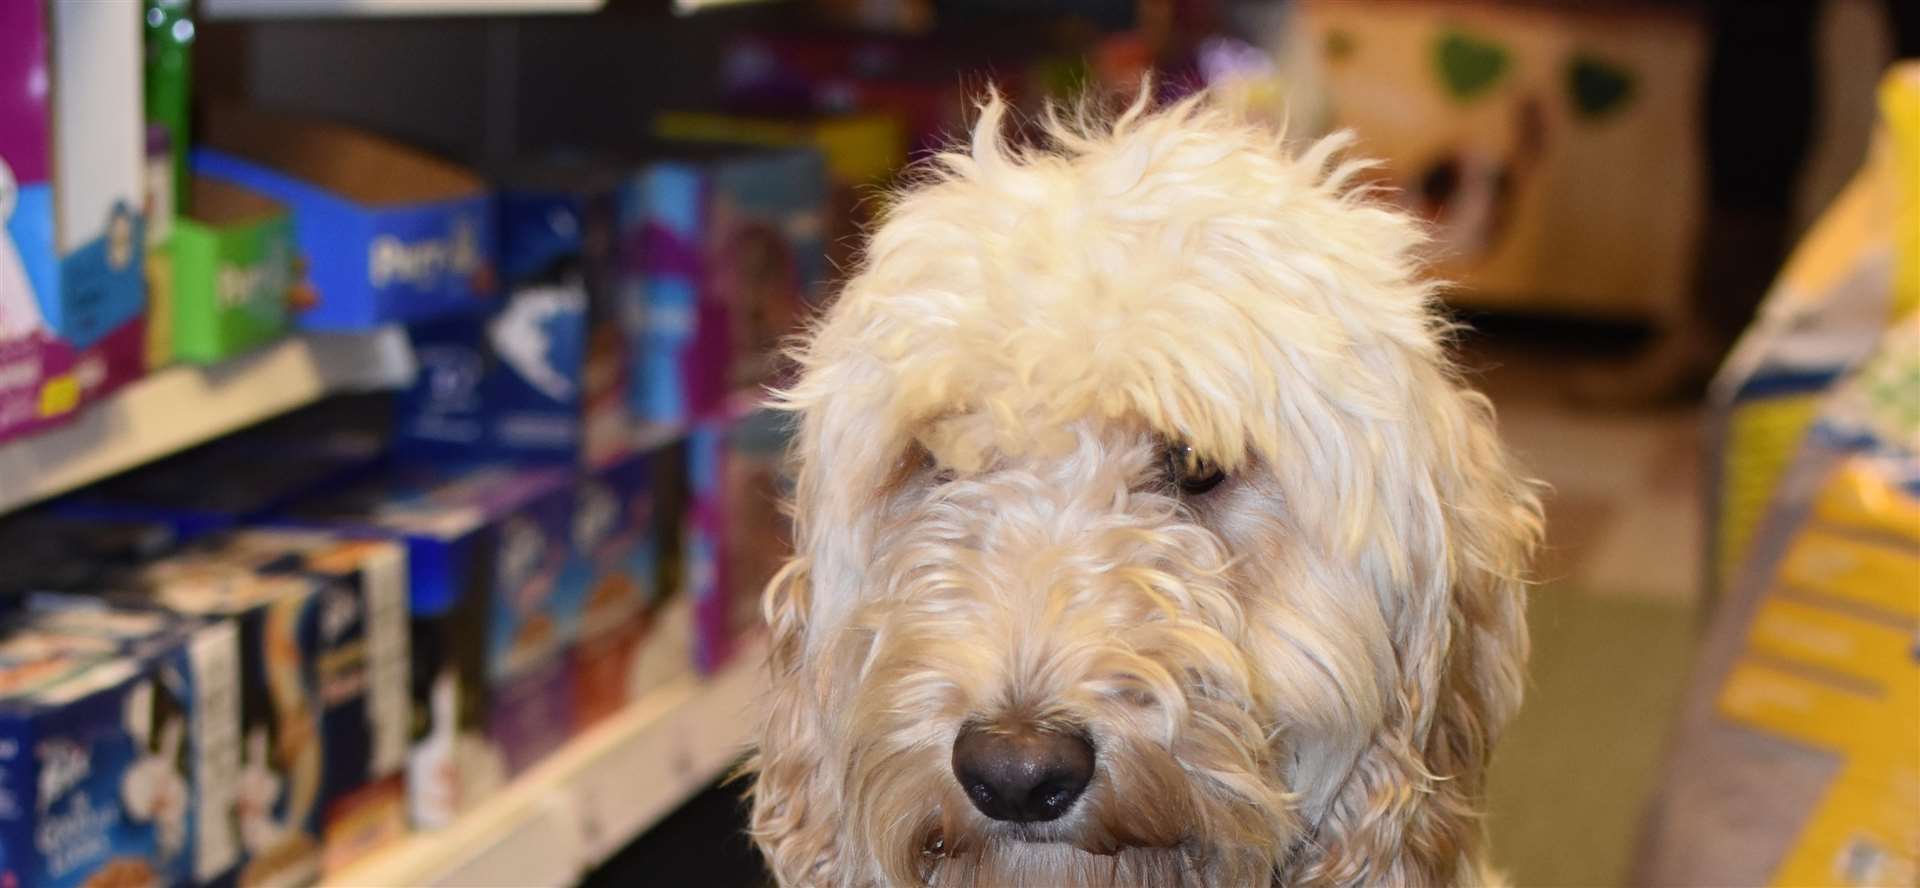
[543, 377]
[116, 758]
[389, 234]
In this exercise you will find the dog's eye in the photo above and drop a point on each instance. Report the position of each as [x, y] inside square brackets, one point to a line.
[1193, 473]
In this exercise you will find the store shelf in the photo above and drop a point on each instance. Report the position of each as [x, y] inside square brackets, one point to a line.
[572, 812]
[272, 9]
[183, 406]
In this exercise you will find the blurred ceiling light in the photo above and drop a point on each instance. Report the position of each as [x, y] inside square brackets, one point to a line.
[689, 7]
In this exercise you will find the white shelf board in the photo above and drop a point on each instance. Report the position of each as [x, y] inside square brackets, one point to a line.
[179, 407]
[273, 9]
[572, 812]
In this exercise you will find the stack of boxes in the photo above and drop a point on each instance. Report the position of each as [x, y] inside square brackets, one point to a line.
[406, 618]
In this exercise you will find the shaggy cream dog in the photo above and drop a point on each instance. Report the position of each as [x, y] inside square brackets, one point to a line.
[1146, 534]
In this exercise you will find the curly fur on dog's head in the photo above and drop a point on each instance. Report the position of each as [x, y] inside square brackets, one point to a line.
[1291, 678]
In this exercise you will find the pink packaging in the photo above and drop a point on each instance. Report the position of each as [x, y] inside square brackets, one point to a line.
[72, 288]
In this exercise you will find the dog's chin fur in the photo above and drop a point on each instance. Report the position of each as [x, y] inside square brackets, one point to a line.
[1293, 678]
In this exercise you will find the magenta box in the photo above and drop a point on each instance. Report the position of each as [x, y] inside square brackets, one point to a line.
[72, 265]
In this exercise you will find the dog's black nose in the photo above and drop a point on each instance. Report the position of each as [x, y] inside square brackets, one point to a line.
[1022, 775]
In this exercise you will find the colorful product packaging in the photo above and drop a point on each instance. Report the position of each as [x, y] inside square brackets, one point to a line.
[863, 151]
[728, 244]
[72, 289]
[389, 234]
[118, 748]
[324, 655]
[1837, 294]
[492, 625]
[706, 549]
[1554, 151]
[1793, 762]
[758, 487]
[628, 643]
[737, 535]
[545, 376]
[233, 266]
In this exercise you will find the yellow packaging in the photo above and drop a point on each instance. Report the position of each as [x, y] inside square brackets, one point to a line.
[1900, 108]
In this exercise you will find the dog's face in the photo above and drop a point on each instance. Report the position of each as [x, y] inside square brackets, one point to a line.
[1145, 535]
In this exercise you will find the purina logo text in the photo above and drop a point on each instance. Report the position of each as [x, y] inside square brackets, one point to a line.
[424, 263]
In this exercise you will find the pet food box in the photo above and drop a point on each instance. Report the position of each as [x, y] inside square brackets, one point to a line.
[492, 625]
[729, 244]
[233, 264]
[1554, 150]
[634, 636]
[72, 291]
[544, 376]
[1840, 291]
[388, 234]
[863, 152]
[758, 486]
[118, 748]
[1792, 758]
[736, 534]
[324, 658]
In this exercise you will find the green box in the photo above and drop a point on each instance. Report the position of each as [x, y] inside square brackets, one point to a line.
[234, 266]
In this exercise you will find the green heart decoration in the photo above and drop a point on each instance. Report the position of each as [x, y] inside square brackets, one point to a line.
[1597, 87]
[1340, 46]
[1469, 66]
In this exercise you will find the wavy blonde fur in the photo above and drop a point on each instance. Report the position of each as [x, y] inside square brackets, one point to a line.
[1295, 679]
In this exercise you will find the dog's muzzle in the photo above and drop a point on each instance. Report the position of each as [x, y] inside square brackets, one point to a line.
[1022, 774]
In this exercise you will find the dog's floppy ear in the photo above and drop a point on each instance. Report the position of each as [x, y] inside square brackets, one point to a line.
[793, 812]
[1408, 815]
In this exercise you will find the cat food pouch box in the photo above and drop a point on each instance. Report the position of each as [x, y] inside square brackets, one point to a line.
[117, 760]
[321, 621]
[633, 635]
[492, 626]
